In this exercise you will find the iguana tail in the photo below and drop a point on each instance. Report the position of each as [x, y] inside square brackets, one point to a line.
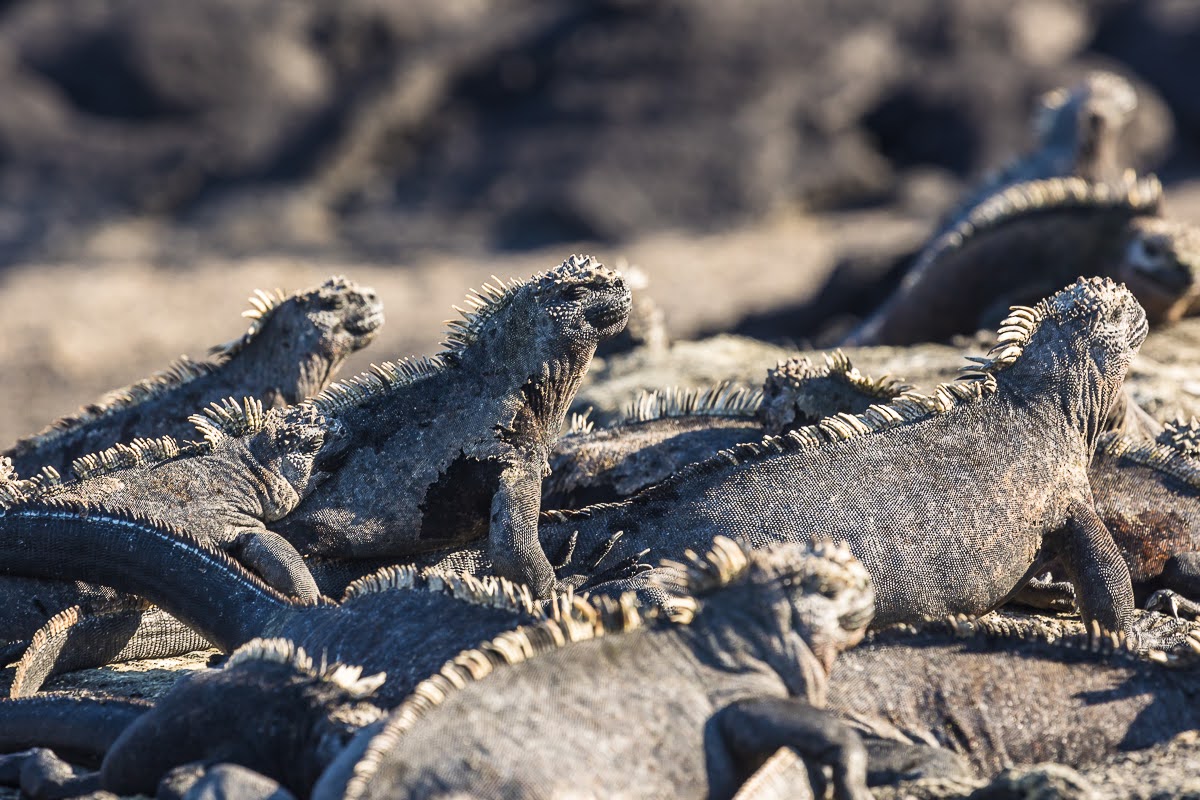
[67, 724]
[201, 586]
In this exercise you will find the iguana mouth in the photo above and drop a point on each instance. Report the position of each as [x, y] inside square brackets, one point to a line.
[610, 318]
[1171, 280]
[360, 326]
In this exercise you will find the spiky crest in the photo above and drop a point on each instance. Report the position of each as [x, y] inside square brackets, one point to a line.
[492, 592]
[229, 418]
[1182, 436]
[485, 303]
[11, 490]
[1105, 645]
[138, 453]
[1133, 195]
[578, 424]
[263, 306]
[346, 677]
[723, 400]
[380, 379]
[1157, 455]
[837, 367]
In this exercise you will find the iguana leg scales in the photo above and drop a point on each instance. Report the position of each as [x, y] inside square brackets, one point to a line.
[754, 729]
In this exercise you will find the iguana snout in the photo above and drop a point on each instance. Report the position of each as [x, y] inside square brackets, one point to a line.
[1161, 265]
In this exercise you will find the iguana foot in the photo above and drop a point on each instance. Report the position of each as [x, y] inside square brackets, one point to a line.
[1153, 631]
[1169, 602]
[588, 572]
[41, 774]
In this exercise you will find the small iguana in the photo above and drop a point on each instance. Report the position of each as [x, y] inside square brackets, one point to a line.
[293, 348]
[1002, 692]
[621, 705]
[1024, 241]
[666, 430]
[952, 501]
[452, 448]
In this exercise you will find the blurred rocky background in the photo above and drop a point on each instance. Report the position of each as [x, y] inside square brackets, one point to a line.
[161, 158]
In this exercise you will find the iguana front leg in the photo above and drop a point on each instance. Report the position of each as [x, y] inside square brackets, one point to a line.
[1094, 566]
[277, 561]
[752, 730]
[513, 542]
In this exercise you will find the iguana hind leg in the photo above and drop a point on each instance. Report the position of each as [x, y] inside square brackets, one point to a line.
[513, 542]
[752, 730]
[277, 561]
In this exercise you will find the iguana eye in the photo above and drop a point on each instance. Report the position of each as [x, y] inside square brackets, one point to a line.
[578, 293]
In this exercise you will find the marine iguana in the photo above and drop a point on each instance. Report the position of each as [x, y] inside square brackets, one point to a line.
[735, 672]
[292, 349]
[1026, 240]
[452, 448]
[1001, 692]
[952, 501]
[665, 430]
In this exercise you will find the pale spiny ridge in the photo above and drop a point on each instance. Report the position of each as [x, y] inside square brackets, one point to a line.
[11, 488]
[838, 367]
[177, 374]
[1182, 436]
[578, 423]
[139, 452]
[150, 526]
[263, 305]
[229, 418]
[55, 627]
[585, 621]
[489, 591]
[380, 379]
[723, 400]
[1166, 458]
[1094, 639]
[483, 304]
[346, 677]
[1133, 195]
[825, 565]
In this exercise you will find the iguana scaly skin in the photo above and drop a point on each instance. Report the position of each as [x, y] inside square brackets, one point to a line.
[293, 348]
[1001, 693]
[252, 467]
[452, 448]
[1021, 243]
[952, 501]
[680, 708]
[664, 431]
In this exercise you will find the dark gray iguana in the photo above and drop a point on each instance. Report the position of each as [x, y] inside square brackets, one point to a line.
[952, 501]
[452, 448]
[1024, 241]
[293, 348]
[619, 705]
[666, 430]
[1003, 692]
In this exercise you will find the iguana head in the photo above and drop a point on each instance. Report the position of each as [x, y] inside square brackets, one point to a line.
[1075, 346]
[1161, 265]
[308, 335]
[288, 447]
[798, 392]
[1087, 119]
[799, 605]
